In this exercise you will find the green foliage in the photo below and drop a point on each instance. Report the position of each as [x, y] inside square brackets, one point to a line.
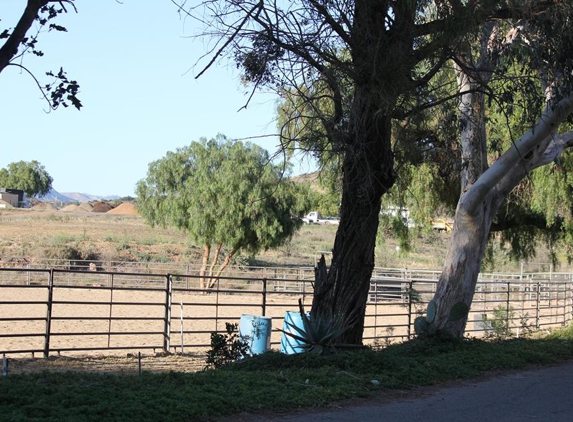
[501, 323]
[226, 348]
[31, 177]
[414, 295]
[327, 202]
[271, 382]
[222, 192]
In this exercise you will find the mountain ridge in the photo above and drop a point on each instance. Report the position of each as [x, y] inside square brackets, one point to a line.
[54, 195]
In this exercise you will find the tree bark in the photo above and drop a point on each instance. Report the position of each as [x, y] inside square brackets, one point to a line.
[459, 276]
[203, 270]
[10, 47]
[471, 225]
[224, 264]
[484, 189]
[382, 62]
[367, 175]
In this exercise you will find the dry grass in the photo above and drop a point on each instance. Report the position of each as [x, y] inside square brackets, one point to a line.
[43, 234]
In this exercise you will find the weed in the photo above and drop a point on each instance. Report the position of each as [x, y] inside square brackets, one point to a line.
[226, 348]
[501, 323]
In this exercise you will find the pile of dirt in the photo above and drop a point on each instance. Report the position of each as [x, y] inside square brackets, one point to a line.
[48, 206]
[70, 208]
[126, 208]
[4, 204]
[102, 207]
[86, 206]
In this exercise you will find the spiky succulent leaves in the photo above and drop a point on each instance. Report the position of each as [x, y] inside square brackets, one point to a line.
[459, 310]
[300, 334]
[318, 333]
[431, 311]
[421, 326]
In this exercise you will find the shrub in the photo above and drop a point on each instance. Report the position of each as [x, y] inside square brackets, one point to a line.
[226, 348]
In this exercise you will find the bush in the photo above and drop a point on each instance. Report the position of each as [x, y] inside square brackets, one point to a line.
[226, 348]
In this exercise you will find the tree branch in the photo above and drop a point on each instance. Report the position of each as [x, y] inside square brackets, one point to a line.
[520, 156]
[10, 47]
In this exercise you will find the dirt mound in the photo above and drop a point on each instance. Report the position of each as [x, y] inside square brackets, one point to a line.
[101, 207]
[86, 206]
[70, 208]
[48, 206]
[4, 204]
[126, 208]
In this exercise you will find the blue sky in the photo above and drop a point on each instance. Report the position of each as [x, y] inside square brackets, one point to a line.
[135, 63]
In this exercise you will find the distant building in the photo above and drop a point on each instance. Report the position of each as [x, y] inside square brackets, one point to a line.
[14, 197]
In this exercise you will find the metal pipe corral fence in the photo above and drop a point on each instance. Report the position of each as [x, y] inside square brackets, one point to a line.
[55, 310]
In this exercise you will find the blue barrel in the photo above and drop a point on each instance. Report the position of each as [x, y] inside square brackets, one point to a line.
[256, 332]
[289, 344]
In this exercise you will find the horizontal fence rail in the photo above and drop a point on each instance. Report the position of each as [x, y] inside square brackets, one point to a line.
[55, 311]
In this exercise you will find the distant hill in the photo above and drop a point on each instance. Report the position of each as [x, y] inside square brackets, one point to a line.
[55, 196]
[312, 179]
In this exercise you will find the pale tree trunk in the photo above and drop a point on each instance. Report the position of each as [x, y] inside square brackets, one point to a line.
[483, 191]
[477, 208]
[209, 284]
[224, 265]
[203, 270]
[471, 226]
[459, 276]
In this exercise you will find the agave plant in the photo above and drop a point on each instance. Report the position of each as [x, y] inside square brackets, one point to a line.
[318, 334]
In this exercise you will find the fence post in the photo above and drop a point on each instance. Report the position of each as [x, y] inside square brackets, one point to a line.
[49, 314]
[571, 299]
[181, 319]
[168, 299]
[264, 297]
[110, 283]
[537, 307]
[508, 304]
[410, 294]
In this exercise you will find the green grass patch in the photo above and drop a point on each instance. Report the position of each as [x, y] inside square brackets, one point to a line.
[270, 382]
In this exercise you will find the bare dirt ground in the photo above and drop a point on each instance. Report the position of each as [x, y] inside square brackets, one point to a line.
[202, 314]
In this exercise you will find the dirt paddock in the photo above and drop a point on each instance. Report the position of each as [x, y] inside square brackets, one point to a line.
[81, 320]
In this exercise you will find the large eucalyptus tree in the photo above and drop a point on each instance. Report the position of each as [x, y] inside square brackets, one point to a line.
[531, 61]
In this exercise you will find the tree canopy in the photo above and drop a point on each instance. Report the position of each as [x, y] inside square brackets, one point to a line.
[225, 194]
[31, 177]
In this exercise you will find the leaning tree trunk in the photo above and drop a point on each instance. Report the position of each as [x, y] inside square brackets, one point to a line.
[367, 175]
[485, 188]
[459, 276]
[471, 225]
[382, 62]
